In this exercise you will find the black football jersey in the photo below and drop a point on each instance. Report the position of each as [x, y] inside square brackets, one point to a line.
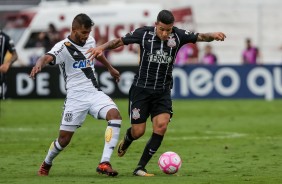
[6, 44]
[157, 56]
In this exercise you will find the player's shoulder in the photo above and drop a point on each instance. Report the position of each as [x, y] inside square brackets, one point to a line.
[181, 31]
[177, 30]
[62, 42]
[90, 42]
[149, 28]
[145, 29]
[91, 38]
[3, 34]
[7, 37]
[60, 45]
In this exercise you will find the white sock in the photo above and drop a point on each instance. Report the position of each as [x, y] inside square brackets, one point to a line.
[54, 150]
[111, 139]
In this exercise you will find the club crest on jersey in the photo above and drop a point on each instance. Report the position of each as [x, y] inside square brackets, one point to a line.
[67, 44]
[68, 116]
[188, 32]
[171, 42]
[135, 114]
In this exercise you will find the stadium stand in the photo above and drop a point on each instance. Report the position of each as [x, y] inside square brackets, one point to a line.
[239, 19]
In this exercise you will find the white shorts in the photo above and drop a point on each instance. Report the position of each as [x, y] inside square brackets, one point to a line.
[79, 104]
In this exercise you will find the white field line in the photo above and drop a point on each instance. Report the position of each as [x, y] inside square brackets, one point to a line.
[21, 129]
[211, 135]
[208, 135]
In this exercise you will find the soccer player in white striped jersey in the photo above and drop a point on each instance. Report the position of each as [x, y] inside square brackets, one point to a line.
[83, 93]
[150, 93]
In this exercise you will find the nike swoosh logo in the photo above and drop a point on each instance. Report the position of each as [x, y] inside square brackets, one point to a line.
[151, 40]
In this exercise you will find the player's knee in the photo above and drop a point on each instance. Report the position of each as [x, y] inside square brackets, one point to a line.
[137, 133]
[113, 114]
[160, 128]
[63, 141]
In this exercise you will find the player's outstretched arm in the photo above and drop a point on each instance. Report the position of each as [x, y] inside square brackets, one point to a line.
[9, 59]
[41, 63]
[208, 37]
[98, 51]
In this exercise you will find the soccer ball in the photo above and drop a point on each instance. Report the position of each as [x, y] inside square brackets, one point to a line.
[169, 162]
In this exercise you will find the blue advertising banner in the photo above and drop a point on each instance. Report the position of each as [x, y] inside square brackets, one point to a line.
[248, 81]
[190, 82]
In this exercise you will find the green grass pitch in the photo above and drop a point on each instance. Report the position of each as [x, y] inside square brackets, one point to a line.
[219, 141]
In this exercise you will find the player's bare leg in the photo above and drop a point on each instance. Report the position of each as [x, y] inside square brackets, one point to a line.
[55, 148]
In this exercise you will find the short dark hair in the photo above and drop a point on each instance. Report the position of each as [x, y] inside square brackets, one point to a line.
[165, 17]
[82, 19]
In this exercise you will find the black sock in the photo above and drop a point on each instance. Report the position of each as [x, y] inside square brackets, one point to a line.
[150, 149]
[128, 139]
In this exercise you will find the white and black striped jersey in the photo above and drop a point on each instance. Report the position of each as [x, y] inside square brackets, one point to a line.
[157, 56]
[77, 70]
[6, 44]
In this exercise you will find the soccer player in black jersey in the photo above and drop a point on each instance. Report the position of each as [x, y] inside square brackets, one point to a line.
[8, 55]
[150, 93]
[7, 46]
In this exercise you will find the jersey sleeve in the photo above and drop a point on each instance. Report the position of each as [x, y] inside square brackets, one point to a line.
[57, 53]
[134, 36]
[11, 45]
[187, 36]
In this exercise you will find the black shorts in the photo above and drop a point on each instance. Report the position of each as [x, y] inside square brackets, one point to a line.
[145, 102]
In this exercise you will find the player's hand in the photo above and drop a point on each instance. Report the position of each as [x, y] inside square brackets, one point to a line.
[115, 74]
[219, 36]
[34, 71]
[4, 67]
[94, 53]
